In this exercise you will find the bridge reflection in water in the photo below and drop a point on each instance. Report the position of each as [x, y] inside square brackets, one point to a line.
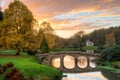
[71, 62]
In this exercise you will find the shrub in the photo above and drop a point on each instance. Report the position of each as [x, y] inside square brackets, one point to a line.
[29, 52]
[90, 48]
[111, 54]
[10, 73]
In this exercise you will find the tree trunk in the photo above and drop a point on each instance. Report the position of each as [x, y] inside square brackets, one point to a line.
[18, 53]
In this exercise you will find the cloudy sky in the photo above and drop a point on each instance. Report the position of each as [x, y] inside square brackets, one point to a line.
[70, 16]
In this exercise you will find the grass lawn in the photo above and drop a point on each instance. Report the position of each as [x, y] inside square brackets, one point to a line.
[28, 66]
[11, 52]
[109, 66]
[8, 52]
[110, 71]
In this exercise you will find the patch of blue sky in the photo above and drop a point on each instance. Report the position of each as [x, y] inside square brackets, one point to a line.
[75, 15]
[110, 18]
[101, 19]
[87, 13]
[114, 24]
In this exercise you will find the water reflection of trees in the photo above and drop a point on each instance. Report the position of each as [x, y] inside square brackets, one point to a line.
[82, 62]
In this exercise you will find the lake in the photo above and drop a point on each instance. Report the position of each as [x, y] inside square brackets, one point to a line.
[84, 76]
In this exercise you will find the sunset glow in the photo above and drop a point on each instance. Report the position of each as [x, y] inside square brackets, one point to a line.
[70, 16]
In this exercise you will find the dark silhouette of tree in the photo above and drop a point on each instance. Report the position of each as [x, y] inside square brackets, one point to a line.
[44, 48]
[1, 15]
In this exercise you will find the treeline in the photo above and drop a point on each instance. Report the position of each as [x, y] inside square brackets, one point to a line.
[102, 38]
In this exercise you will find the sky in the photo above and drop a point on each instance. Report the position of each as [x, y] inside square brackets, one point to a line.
[67, 17]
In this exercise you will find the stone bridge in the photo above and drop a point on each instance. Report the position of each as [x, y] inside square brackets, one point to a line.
[71, 61]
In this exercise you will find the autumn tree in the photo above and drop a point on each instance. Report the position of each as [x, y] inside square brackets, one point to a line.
[18, 26]
[4, 35]
[49, 33]
[110, 40]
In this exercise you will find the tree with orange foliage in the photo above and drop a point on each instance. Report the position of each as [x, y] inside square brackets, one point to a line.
[110, 40]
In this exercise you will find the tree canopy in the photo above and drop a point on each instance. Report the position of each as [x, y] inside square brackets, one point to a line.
[48, 32]
[111, 54]
[110, 40]
[17, 28]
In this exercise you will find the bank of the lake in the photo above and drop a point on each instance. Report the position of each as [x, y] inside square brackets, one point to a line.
[111, 70]
[29, 66]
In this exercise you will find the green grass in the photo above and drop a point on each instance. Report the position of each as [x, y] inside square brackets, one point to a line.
[64, 49]
[7, 52]
[28, 65]
[109, 66]
[12, 52]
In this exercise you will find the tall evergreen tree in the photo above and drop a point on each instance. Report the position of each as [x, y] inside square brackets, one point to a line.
[44, 48]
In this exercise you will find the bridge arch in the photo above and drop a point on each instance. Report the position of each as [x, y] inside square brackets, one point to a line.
[44, 60]
[82, 62]
[69, 62]
[92, 62]
[56, 62]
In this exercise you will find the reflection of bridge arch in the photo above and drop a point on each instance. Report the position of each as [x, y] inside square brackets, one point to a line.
[62, 60]
[56, 62]
[92, 62]
[82, 62]
[67, 61]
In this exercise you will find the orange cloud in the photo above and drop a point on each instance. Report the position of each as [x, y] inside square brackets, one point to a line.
[107, 0]
[46, 10]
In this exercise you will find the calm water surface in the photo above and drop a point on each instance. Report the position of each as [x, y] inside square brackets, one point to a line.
[84, 76]
[69, 63]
